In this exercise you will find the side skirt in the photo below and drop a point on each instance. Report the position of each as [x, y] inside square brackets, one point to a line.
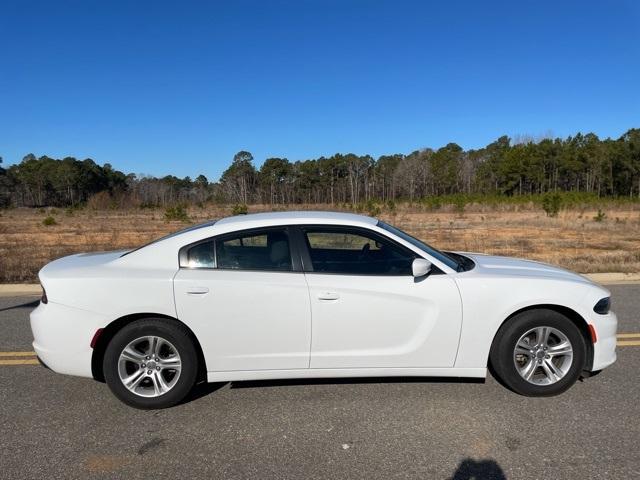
[240, 375]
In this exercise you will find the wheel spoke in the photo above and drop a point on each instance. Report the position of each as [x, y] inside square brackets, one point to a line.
[172, 363]
[542, 336]
[153, 345]
[159, 384]
[563, 348]
[158, 347]
[523, 348]
[131, 355]
[529, 369]
[132, 381]
[551, 371]
[162, 381]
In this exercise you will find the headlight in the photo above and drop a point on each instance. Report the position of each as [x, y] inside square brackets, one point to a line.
[603, 306]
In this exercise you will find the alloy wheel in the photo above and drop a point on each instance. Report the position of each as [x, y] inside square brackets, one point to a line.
[149, 366]
[543, 355]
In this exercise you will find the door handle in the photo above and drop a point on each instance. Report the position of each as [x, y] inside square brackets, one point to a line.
[328, 296]
[197, 290]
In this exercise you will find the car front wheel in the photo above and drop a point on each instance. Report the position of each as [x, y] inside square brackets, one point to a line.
[539, 353]
[151, 363]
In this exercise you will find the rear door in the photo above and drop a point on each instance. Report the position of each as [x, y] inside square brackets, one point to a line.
[369, 311]
[246, 299]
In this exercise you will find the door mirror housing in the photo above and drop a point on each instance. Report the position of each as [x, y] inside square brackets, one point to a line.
[420, 267]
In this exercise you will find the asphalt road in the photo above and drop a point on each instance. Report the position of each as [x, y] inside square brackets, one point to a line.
[55, 426]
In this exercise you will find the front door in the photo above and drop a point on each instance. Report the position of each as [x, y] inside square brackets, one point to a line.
[246, 305]
[368, 310]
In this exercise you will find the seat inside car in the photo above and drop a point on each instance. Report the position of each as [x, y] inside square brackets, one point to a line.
[278, 246]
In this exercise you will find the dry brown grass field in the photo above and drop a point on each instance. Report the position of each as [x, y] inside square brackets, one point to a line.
[574, 239]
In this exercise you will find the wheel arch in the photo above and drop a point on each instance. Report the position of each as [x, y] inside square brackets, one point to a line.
[577, 319]
[116, 325]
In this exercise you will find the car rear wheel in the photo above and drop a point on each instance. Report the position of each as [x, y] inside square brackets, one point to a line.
[151, 363]
[538, 353]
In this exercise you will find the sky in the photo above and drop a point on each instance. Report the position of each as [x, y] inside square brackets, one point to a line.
[178, 88]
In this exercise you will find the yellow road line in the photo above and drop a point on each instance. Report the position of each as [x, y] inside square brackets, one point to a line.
[34, 361]
[30, 361]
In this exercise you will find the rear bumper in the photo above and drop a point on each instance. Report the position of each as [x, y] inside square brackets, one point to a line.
[604, 350]
[62, 337]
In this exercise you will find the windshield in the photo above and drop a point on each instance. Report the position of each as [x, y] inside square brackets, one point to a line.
[437, 254]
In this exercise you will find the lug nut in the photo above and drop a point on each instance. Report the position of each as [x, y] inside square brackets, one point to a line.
[144, 365]
[157, 368]
[149, 372]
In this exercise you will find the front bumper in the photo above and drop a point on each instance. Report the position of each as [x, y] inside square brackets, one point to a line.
[62, 337]
[604, 350]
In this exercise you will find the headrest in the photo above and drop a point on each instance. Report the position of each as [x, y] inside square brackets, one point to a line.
[279, 252]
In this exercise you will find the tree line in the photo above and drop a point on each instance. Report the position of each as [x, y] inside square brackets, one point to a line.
[580, 163]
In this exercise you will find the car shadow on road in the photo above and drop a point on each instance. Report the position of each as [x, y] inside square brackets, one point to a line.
[31, 304]
[202, 389]
[355, 380]
[470, 469]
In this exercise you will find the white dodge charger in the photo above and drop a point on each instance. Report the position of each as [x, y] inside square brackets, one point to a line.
[314, 294]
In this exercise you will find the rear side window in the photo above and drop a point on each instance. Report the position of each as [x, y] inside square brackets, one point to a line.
[355, 252]
[256, 250]
[201, 255]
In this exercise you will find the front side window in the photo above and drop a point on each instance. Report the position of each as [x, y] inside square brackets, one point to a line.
[355, 252]
[443, 257]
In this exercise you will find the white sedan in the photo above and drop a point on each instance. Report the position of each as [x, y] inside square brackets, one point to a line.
[314, 294]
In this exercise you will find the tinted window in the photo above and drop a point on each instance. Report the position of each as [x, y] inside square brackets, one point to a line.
[201, 255]
[258, 250]
[355, 252]
[448, 261]
[174, 234]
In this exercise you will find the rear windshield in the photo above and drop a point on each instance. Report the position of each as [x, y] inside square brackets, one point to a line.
[174, 234]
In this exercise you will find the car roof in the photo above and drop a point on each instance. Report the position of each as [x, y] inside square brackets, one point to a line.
[296, 217]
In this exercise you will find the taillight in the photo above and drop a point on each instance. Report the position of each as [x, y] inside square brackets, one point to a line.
[96, 337]
[44, 299]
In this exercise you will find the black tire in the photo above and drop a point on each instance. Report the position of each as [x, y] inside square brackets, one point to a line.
[173, 332]
[502, 352]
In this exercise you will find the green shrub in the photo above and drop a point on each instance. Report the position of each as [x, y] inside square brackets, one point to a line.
[459, 202]
[551, 203]
[176, 212]
[372, 208]
[48, 221]
[432, 203]
[71, 210]
[240, 209]
[391, 206]
[600, 216]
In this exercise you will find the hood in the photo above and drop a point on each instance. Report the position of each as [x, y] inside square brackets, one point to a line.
[508, 266]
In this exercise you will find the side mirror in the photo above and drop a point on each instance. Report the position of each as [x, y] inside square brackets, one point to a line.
[420, 267]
